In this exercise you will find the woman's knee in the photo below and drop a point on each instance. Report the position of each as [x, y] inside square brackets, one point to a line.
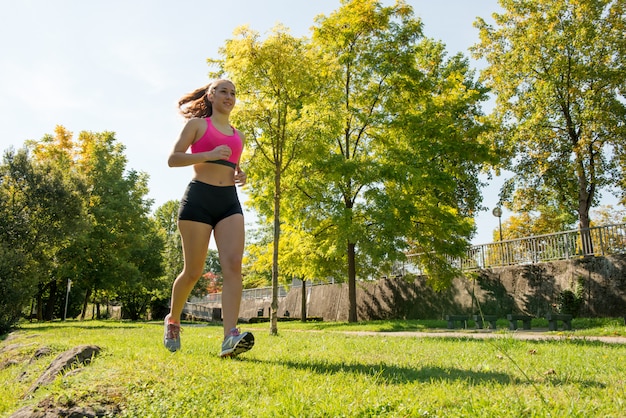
[190, 276]
[231, 264]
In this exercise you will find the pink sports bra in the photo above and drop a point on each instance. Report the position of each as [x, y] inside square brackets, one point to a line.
[213, 138]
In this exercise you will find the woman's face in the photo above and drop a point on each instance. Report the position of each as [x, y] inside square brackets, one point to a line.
[223, 96]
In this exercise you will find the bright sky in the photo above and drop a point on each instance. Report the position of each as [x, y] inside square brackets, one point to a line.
[121, 66]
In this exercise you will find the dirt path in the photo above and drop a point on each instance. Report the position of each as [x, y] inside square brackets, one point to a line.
[534, 335]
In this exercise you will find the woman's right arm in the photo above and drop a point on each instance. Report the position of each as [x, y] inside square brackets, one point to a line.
[193, 130]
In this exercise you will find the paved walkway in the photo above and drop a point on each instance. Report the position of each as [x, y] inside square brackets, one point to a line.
[533, 335]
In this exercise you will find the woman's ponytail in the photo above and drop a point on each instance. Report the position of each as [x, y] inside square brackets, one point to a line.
[196, 104]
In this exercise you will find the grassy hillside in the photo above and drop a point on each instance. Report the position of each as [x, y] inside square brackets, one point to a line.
[318, 370]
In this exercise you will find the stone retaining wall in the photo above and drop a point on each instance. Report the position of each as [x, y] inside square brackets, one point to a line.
[532, 289]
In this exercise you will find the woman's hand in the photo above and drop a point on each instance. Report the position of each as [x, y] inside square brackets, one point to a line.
[221, 152]
[240, 177]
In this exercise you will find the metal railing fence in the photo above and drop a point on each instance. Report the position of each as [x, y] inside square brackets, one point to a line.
[256, 293]
[596, 241]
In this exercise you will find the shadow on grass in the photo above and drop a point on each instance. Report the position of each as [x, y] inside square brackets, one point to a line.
[397, 374]
[393, 374]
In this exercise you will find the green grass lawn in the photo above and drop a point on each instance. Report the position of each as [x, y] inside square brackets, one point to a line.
[316, 370]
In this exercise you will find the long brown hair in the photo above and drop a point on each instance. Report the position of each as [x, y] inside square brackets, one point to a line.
[196, 104]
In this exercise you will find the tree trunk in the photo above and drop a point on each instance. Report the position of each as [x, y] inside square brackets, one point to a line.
[30, 311]
[585, 197]
[85, 302]
[39, 303]
[274, 310]
[303, 305]
[48, 313]
[352, 317]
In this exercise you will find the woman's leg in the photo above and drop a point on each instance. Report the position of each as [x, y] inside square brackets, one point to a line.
[195, 238]
[230, 237]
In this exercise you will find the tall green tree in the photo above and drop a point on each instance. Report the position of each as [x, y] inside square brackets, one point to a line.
[118, 254]
[118, 210]
[557, 70]
[363, 44]
[401, 125]
[40, 211]
[434, 149]
[275, 79]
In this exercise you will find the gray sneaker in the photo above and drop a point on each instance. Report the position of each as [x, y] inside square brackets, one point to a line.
[171, 336]
[237, 343]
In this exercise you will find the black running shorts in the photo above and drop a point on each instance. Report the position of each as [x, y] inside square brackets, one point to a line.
[208, 204]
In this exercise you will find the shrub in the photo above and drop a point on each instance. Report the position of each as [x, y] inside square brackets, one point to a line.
[569, 303]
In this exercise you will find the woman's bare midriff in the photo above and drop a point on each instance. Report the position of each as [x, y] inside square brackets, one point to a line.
[214, 174]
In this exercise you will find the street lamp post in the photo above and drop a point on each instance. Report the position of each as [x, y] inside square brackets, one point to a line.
[497, 212]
